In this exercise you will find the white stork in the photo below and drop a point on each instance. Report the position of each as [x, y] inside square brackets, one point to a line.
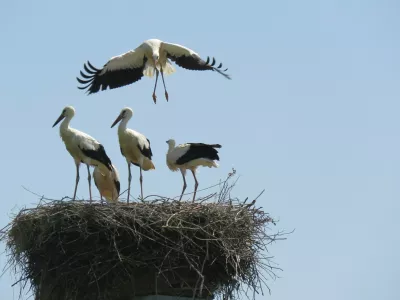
[107, 183]
[135, 147]
[191, 156]
[152, 55]
[82, 147]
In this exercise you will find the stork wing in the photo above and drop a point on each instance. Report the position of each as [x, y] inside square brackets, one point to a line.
[178, 152]
[188, 59]
[144, 146]
[93, 149]
[119, 71]
[116, 179]
[198, 150]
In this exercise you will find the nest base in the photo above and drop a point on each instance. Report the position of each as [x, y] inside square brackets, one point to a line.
[71, 250]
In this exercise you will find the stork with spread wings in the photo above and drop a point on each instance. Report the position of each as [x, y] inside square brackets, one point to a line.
[151, 56]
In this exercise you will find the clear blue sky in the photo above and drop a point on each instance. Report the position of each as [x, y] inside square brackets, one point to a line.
[311, 115]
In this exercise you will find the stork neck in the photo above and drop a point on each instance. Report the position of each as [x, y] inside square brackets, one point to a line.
[65, 124]
[122, 125]
[171, 147]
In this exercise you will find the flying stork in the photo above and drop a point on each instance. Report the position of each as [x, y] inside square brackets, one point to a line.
[107, 183]
[191, 156]
[152, 55]
[135, 147]
[82, 147]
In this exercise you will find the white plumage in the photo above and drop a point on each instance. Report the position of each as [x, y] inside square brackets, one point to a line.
[151, 56]
[82, 147]
[135, 147]
[190, 156]
[107, 183]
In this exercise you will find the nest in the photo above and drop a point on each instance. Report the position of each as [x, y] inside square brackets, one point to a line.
[80, 250]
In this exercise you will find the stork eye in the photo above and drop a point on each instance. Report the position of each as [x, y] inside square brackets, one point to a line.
[63, 111]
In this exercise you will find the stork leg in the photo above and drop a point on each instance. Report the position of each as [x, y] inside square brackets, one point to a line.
[183, 171]
[141, 183]
[89, 178]
[165, 89]
[101, 199]
[195, 185]
[155, 86]
[76, 180]
[129, 181]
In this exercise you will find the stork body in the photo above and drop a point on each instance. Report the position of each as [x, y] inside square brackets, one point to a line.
[190, 156]
[135, 147]
[82, 147]
[152, 56]
[107, 183]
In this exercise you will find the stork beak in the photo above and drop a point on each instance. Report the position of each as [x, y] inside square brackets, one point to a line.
[58, 120]
[119, 118]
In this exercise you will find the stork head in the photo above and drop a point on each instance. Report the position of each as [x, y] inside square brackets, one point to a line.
[171, 143]
[126, 114]
[68, 112]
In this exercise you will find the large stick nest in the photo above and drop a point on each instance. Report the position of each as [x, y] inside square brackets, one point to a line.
[77, 250]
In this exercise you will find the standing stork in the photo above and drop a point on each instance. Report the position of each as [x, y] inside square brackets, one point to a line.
[135, 147]
[82, 147]
[107, 183]
[152, 55]
[191, 156]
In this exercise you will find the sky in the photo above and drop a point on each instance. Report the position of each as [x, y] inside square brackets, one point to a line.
[310, 115]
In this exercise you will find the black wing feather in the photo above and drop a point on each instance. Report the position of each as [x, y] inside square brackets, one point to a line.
[194, 62]
[111, 79]
[117, 185]
[146, 151]
[99, 154]
[199, 150]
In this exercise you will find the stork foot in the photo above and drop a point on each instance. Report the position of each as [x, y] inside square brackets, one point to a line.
[154, 98]
[166, 95]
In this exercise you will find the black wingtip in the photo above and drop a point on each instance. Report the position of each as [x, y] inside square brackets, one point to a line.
[85, 76]
[92, 67]
[91, 72]
[117, 186]
[83, 81]
[222, 73]
[217, 68]
[88, 77]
